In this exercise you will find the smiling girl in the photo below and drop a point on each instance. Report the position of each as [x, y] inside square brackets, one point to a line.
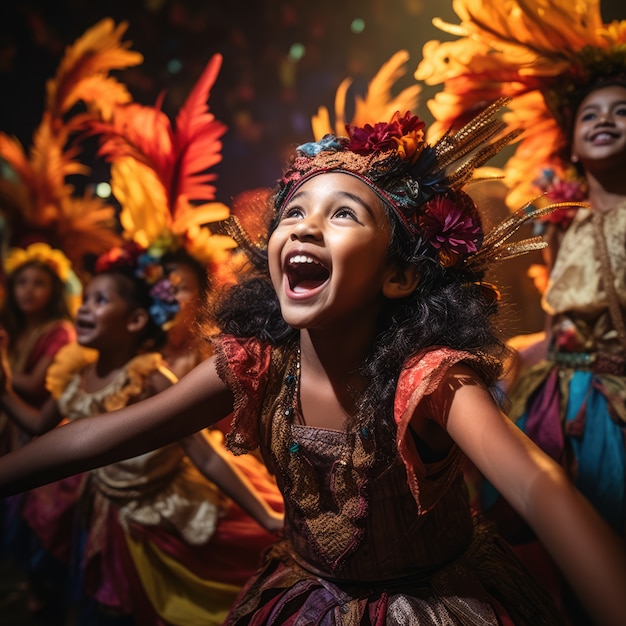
[358, 358]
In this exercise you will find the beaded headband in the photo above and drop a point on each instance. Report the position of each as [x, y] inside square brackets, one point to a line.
[396, 163]
[421, 183]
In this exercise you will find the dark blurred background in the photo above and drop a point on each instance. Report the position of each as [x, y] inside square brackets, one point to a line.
[264, 95]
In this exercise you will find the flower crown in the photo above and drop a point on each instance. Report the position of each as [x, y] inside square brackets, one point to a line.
[393, 159]
[39, 252]
[145, 265]
[421, 183]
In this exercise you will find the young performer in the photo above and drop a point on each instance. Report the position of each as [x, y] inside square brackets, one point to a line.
[358, 359]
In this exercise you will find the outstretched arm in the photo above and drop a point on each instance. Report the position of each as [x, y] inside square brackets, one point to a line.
[198, 400]
[213, 463]
[588, 552]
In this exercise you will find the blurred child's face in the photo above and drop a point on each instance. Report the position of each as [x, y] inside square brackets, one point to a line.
[186, 284]
[600, 126]
[102, 318]
[328, 254]
[33, 289]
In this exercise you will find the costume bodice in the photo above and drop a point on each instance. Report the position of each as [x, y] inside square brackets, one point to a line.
[352, 512]
[161, 487]
[392, 540]
[576, 296]
[65, 382]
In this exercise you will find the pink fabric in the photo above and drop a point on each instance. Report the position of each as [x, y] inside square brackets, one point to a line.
[420, 377]
[50, 342]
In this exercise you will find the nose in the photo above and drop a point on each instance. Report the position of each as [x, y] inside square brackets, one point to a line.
[307, 228]
[605, 117]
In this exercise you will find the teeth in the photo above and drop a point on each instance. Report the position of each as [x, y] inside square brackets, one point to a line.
[301, 258]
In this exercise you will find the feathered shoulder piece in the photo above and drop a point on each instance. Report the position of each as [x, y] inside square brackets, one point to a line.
[539, 53]
[37, 198]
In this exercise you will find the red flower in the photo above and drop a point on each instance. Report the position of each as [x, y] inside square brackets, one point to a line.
[452, 226]
[383, 136]
[120, 257]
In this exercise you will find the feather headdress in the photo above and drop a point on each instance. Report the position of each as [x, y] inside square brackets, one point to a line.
[160, 173]
[377, 104]
[537, 52]
[37, 199]
[421, 184]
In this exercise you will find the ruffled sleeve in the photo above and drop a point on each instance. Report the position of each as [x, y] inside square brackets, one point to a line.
[244, 365]
[138, 371]
[421, 376]
[69, 361]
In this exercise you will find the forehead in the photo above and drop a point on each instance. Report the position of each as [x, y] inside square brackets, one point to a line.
[33, 270]
[337, 184]
[104, 282]
[610, 93]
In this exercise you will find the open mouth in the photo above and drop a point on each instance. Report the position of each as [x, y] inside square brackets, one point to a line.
[305, 273]
[603, 136]
[82, 324]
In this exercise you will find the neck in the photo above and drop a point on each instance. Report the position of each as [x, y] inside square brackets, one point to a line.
[109, 361]
[336, 357]
[606, 190]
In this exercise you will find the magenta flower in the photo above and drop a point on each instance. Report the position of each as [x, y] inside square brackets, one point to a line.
[383, 136]
[452, 226]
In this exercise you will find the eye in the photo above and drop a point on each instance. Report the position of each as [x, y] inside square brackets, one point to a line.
[588, 116]
[621, 111]
[293, 212]
[346, 213]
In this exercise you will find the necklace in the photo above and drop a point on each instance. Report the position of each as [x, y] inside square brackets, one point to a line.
[325, 473]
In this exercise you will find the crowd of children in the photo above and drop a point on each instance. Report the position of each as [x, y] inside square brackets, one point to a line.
[353, 360]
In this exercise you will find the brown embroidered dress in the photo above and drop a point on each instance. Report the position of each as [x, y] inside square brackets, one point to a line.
[370, 538]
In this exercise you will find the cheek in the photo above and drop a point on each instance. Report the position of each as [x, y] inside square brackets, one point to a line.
[273, 259]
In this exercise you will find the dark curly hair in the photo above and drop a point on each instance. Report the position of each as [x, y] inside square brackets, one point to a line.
[450, 307]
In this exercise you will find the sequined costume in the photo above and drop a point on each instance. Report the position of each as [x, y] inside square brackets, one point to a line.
[151, 523]
[369, 539]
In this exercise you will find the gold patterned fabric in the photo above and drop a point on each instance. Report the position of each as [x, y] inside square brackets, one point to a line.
[576, 296]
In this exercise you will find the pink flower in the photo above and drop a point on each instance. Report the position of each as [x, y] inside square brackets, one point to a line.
[384, 136]
[451, 225]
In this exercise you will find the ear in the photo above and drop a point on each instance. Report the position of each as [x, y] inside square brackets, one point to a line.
[137, 320]
[401, 281]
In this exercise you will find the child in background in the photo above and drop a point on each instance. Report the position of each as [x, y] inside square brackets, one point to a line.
[119, 330]
[568, 384]
[358, 359]
[41, 295]
[37, 316]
